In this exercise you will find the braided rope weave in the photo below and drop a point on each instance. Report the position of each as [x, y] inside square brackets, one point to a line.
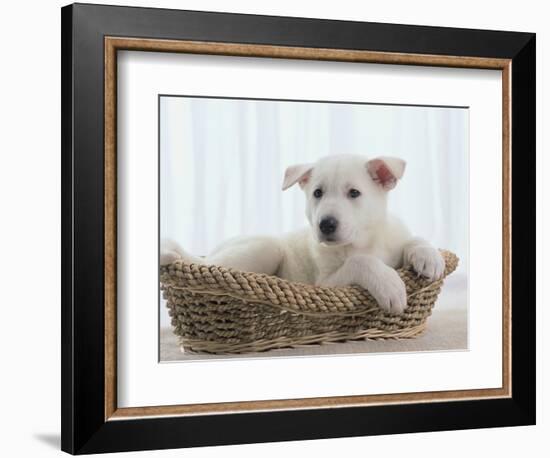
[219, 310]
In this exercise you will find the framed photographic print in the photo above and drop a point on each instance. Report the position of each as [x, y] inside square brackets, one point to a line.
[284, 228]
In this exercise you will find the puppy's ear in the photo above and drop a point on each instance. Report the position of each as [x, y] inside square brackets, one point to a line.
[297, 174]
[385, 171]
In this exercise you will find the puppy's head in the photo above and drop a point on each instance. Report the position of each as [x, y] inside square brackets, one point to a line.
[345, 194]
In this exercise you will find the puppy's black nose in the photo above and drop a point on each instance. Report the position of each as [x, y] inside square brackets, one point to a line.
[328, 225]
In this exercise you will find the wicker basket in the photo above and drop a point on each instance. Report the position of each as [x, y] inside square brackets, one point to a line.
[220, 310]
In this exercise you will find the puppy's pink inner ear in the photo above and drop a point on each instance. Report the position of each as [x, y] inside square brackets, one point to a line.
[304, 179]
[381, 174]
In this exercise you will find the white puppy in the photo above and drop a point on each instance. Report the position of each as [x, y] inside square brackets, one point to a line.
[352, 240]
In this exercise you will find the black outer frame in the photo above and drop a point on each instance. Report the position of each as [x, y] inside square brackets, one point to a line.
[83, 425]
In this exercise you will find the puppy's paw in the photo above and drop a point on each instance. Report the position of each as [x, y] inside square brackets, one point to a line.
[168, 257]
[389, 291]
[426, 261]
[170, 251]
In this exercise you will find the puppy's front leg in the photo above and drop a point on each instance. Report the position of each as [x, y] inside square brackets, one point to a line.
[380, 280]
[424, 259]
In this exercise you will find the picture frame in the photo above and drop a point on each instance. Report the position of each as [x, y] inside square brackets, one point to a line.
[92, 37]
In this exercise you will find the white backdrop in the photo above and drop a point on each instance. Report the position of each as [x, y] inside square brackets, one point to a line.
[223, 161]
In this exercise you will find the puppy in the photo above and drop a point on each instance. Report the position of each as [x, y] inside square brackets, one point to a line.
[352, 240]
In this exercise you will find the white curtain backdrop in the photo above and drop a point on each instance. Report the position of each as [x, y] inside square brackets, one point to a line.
[222, 163]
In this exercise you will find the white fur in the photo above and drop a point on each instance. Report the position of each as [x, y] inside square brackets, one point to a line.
[365, 249]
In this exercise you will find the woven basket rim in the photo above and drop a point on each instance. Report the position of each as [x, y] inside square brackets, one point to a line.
[296, 297]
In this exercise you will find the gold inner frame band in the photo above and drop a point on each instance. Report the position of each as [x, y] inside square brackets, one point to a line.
[114, 44]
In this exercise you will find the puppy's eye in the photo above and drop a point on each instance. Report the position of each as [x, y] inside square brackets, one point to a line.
[318, 193]
[353, 193]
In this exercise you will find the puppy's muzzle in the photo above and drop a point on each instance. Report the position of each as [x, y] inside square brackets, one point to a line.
[328, 225]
